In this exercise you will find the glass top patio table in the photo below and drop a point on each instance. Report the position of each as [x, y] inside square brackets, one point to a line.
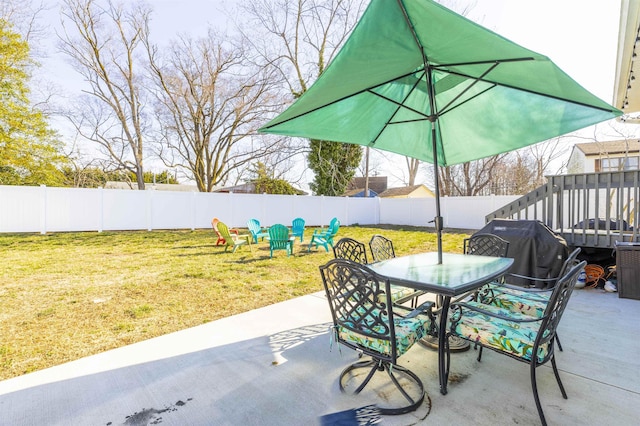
[458, 273]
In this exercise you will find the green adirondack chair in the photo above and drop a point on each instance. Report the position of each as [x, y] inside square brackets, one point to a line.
[232, 240]
[325, 237]
[279, 239]
[297, 228]
[257, 231]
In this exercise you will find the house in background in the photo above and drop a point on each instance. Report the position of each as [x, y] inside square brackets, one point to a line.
[413, 191]
[359, 192]
[608, 156]
[355, 188]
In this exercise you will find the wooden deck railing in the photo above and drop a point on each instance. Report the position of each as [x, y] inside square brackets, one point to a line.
[588, 210]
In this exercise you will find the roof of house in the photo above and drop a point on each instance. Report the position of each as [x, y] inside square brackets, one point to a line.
[405, 190]
[356, 191]
[610, 147]
[376, 183]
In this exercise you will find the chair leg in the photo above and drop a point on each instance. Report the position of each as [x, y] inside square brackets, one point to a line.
[392, 370]
[534, 386]
[361, 364]
[558, 342]
[557, 374]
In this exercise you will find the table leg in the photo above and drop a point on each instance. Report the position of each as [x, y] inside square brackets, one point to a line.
[442, 355]
[455, 343]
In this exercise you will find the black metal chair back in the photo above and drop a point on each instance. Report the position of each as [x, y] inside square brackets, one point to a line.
[542, 331]
[350, 249]
[381, 248]
[359, 301]
[571, 261]
[363, 319]
[555, 308]
[486, 245]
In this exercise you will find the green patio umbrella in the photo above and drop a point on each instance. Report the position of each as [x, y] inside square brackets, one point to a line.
[419, 80]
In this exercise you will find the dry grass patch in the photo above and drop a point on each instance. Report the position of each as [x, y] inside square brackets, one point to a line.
[69, 295]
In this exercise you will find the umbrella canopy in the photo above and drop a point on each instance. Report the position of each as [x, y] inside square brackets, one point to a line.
[419, 80]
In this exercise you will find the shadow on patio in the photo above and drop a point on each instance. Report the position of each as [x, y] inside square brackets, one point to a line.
[273, 366]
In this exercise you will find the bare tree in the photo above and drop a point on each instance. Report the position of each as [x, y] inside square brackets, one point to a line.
[24, 14]
[103, 43]
[210, 102]
[298, 39]
[470, 178]
[413, 166]
[544, 154]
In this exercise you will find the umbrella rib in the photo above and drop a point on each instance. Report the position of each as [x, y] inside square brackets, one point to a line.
[489, 61]
[475, 81]
[368, 89]
[495, 83]
[445, 110]
[399, 105]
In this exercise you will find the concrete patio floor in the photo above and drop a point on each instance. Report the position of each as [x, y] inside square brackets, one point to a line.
[274, 366]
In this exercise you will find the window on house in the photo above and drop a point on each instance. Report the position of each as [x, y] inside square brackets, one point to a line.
[617, 164]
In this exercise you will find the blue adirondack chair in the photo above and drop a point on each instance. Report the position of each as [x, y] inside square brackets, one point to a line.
[325, 237]
[297, 228]
[257, 231]
[279, 239]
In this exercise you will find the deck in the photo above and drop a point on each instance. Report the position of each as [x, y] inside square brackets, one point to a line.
[591, 210]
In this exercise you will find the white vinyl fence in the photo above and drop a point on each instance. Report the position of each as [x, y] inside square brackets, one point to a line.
[44, 209]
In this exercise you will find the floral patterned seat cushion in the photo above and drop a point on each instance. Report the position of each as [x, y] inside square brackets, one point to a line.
[516, 338]
[515, 301]
[399, 292]
[408, 331]
[538, 296]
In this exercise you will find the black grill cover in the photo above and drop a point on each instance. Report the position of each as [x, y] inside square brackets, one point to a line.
[537, 250]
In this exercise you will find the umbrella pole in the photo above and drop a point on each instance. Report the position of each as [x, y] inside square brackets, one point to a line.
[438, 219]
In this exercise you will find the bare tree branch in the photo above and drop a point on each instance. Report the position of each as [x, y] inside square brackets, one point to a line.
[102, 43]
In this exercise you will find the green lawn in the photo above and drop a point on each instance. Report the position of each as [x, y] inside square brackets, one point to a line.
[65, 296]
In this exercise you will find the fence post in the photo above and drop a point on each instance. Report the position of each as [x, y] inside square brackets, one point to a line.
[232, 217]
[346, 210]
[149, 209]
[101, 207]
[193, 211]
[43, 210]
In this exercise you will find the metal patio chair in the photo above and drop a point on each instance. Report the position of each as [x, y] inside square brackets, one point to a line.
[522, 337]
[486, 245]
[528, 301]
[382, 249]
[365, 319]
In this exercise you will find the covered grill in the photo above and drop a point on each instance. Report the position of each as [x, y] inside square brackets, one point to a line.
[537, 250]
